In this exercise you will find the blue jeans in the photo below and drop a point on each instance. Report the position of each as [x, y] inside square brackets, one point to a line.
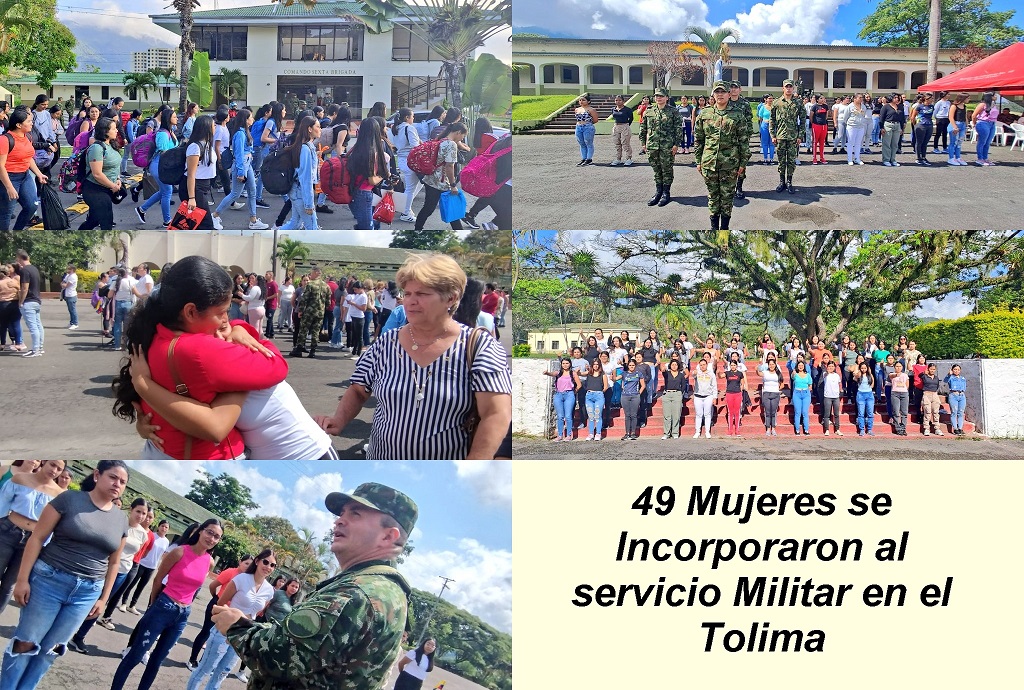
[876, 129]
[165, 620]
[339, 327]
[986, 132]
[361, 207]
[237, 186]
[802, 409]
[767, 147]
[585, 138]
[217, 661]
[299, 216]
[257, 164]
[121, 309]
[164, 197]
[58, 604]
[687, 134]
[595, 412]
[367, 322]
[565, 404]
[72, 303]
[30, 310]
[957, 405]
[25, 184]
[87, 624]
[956, 141]
[865, 410]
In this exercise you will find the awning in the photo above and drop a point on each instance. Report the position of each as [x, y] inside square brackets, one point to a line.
[1002, 72]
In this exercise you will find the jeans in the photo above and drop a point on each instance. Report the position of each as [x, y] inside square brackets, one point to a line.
[565, 402]
[631, 407]
[900, 408]
[58, 604]
[890, 142]
[986, 133]
[361, 207]
[672, 408]
[922, 135]
[704, 413]
[217, 661]
[956, 140]
[30, 310]
[413, 185]
[865, 410]
[164, 197]
[269, 331]
[258, 154]
[770, 403]
[802, 409]
[595, 412]
[357, 336]
[25, 184]
[941, 127]
[856, 138]
[249, 184]
[10, 321]
[831, 410]
[687, 134]
[876, 129]
[12, 546]
[367, 322]
[299, 215]
[87, 624]
[284, 315]
[162, 623]
[767, 147]
[72, 304]
[121, 309]
[338, 326]
[585, 138]
[957, 405]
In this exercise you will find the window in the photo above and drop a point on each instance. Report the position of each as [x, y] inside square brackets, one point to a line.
[540, 346]
[554, 344]
[549, 74]
[858, 80]
[738, 74]
[570, 74]
[806, 76]
[636, 75]
[314, 43]
[839, 80]
[406, 47]
[221, 42]
[105, 93]
[602, 74]
[775, 77]
[693, 78]
[888, 80]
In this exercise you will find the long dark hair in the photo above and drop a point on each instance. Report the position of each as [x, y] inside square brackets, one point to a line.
[165, 122]
[193, 538]
[453, 115]
[277, 115]
[480, 127]
[378, 108]
[430, 657]
[344, 116]
[194, 279]
[436, 113]
[202, 134]
[89, 483]
[403, 115]
[265, 553]
[470, 304]
[241, 121]
[366, 158]
[300, 137]
[294, 598]
[453, 127]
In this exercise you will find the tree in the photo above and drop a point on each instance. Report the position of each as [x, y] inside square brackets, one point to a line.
[420, 239]
[904, 23]
[274, 528]
[187, 47]
[711, 48]
[934, 33]
[51, 252]
[231, 83]
[140, 83]
[488, 84]
[200, 89]
[967, 56]
[32, 39]
[820, 283]
[222, 495]
[666, 61]
[289, 251]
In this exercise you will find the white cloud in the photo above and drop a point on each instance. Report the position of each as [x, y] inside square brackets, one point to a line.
[491, 481]
[841, 42]
[952, 307]
[785, 21]
[662, 17]
[598, 25]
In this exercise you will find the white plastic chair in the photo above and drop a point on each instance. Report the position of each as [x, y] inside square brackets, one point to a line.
[1018, 131]
[972, 134]
[1003, 134]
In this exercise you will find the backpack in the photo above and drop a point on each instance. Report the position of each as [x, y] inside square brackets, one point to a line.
[82, 140]
[72, 129]
[335, 180]
[422, 159]
[257, 131]
[426, 127]
[171, 167]
[277, 172]
[83, 167]
[143, 148]
[67, 178]
[329, 135]
[479, 177]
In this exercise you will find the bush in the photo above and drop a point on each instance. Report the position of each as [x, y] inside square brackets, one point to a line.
[86, 280]
[995, 335]
[522, 350]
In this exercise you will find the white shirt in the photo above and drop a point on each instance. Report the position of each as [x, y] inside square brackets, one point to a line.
[220, 133]
[387, 301]
[275, 426]
[152, 559]
[72, 280]
[353, 302]
[832, 383]
[287, 292]
[418, 671]
[254, 298]
[124, 289]
[843, 113]
[204, 171]
[145, 285]
[250, 598]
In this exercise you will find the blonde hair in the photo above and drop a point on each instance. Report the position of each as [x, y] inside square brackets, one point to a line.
[436, 271]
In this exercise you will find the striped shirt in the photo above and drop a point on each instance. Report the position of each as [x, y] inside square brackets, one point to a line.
[428, 428]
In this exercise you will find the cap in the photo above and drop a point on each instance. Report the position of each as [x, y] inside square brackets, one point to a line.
[734, 84]
[379, 497]
[720, 85]
[788, 82]
[661, 92]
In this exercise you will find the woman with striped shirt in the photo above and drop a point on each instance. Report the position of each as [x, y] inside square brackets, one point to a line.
[421, 377]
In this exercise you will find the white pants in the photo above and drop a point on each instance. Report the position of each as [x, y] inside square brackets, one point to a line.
[854, 137]
[412, 183]
[703, 411]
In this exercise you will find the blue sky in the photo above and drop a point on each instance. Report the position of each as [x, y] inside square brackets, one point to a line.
[778, 21]
[464, 529]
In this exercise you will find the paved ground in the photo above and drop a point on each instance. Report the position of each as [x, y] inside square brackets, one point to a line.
[61, 404]
[556, 195]
[754, 446]
[96, 669]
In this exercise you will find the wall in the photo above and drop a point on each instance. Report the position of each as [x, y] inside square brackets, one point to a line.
[1003, 381]
[531, 396]
[970, 369]
[249, 252]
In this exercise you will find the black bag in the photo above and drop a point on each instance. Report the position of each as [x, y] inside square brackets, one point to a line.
[149, 184]
[83, 164]
[227, 158]
[171, 167]
[54, 215]
[277, 172]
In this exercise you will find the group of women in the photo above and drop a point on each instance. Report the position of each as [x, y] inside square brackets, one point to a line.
[620, 372]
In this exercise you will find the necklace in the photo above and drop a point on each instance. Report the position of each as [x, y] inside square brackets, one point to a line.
[416, 345]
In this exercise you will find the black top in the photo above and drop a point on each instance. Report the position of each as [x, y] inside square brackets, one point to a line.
[623, 116]
[591, 354]
[819, 115]
[595, 383]
[674, 382]
[890, 114]
[30, 275]
[650, 354]
[733, 380]
[930, 383]
[876, 109]
[960, 115]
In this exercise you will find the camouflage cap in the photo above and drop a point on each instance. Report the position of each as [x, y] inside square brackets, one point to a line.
[734, 84]
[724, 86]
[661, 92]
[789, 82]
[379, 497]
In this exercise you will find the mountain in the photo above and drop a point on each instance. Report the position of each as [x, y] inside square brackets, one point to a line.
[110, 47]
[516, 29]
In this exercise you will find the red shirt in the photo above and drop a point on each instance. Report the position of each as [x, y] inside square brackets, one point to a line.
[272, 293]
[19, 158]
[208, 366]
[817, 353]
[334, 288]
[489, 303]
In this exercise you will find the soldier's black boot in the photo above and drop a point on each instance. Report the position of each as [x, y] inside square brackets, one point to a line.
[782, 183]
[296, 352]
[657, 196]
[715, 222]
[725, 221]
[790, 187]
[666, 195]
[739, 190]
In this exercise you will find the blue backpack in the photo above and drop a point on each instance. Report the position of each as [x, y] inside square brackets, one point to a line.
[257, 131]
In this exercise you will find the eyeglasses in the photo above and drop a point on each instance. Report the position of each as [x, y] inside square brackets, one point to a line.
[267, 561]
[216, 536]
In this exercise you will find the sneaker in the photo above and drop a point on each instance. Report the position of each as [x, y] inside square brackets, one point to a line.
[407, 218]
[860, 433]
[470, 222]
[629, 162]
[895, 164]
[773, 433]
[238, 206]
[887, 164]
[557, 439]
[76, 647]
[827, 432]
[936, 151]
[73, 327]
[218, 224]
[664, 437]
[190, 665]
[860, 162]
[260, 203]
[257, 225]
[697, 435]
[871, 433]
[707, 434]
[122, 608]
[135, 191]
[938, 432]
[141, 214]
[324, 209]
[927, 432]
[614, 163]
[106, 623]
[588, 438]
[849, 162]
[32, 353]
[597, 438]
[134, 611]
[838, 432]
[242, 676]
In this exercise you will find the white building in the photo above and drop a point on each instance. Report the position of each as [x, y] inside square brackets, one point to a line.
[320, 55]
[99, 86]
[155, 58]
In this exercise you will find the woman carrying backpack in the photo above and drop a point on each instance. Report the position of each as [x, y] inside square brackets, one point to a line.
[368, 166]
[272, 131]
[17, 160]
[443, 178]
[334, 137]
[102, 179]
[221, 143]
[191, 112]
[241, 169]
[165, 141]
[303, 156]
[406, 138]
[131, 130]
[200, 169]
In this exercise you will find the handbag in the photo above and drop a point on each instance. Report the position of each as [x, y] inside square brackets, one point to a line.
[746, 402]
[472, 418]
[385, 211]
[453, 206]
[185, 220]
[943, 388]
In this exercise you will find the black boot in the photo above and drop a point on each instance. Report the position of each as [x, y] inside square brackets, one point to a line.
[782, 183]
[739, 190]
[666, 196]
[725, 221]
[296, 352]
[714, 222]
[790, 187]
[657, 195]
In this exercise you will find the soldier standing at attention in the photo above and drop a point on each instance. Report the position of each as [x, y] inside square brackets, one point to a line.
[659, 132]
[348, 632]
[315, 297]
[743, 105]
[722, 152]
[786, 126]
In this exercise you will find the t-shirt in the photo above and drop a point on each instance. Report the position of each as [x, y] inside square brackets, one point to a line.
[924, 114]
[144, 285]
[111, 162]
[85, 536]
[124, 289]
[819, 115]
[733, 381]
[276, 426]
[353, 302]
[72, 280]
[631, 382]
[207, 168]
[832, 385]
[156, 552]
[650, 354]
[280, 606]
[30, 275]
[132, 545]
[489, 303]
[272, 293]
[416, 670]
[770, 379]
[19, 158]
[801, 381]
[929, 383]
[447, 152]
[942, 108]
[250, 598]
[674, 382]
[900, 383]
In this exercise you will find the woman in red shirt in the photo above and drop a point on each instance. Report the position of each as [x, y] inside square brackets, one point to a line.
[176, 329]
[17, 158]
[916, 388]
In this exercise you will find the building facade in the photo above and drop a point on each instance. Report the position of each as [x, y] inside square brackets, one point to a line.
[99, 86]
[156, 58]
[571, 66]
[567, 336]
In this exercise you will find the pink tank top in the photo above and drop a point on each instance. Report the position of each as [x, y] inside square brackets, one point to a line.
[990, 114]
[564, 384]
[187, 575]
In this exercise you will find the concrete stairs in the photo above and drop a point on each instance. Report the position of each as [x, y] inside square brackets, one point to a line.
[565, 121]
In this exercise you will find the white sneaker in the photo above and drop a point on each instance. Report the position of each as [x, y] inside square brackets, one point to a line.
[827, 432]
[849, 162]
[614, 163]
[122, 608]
[257, 224]
[629, 161]
[218, 224]
[939, 432]
[407, 218]
[73, 327]
[707, 434]
[588, 438]
[697, 435]
[895, 164]
[664, 436]
[134, 611]
[238, 205]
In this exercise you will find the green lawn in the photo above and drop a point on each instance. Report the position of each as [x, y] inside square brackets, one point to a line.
[537, 107]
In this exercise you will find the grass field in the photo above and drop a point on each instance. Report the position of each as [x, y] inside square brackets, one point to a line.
[537, 107]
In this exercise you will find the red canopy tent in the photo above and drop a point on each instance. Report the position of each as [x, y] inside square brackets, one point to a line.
[1002, 72]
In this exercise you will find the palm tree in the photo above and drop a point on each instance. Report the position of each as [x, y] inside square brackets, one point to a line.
[140, 83]
[231, 83]
[8, 21]
[710, 49]
[120, 241]
[187, 47]
[934, 31]
[164, 76]
[289, 251]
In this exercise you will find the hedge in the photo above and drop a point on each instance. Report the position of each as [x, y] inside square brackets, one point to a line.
[994, 335]
[522, 350]
[86, 280]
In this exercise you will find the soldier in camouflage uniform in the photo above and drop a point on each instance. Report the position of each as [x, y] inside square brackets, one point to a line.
[347, 634]
[743, 106]
[659, 132]
[315, 298]
[722, 152]
[786, 126]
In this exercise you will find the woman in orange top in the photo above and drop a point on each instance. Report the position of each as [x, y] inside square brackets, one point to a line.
[16, 160]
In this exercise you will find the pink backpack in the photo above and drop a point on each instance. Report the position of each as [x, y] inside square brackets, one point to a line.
[82, 141]
[142, 149]
[478, 177]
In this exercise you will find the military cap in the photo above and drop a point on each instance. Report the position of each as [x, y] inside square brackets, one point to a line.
[720, 85]
[379, 497]
[788, 82]
[734, 84]
[661, 92]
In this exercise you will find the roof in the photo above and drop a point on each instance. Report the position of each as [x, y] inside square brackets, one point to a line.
[733, 46]
[76, 78]
[272, 10]
[341, 254]
[1002, 71]
[587, 328]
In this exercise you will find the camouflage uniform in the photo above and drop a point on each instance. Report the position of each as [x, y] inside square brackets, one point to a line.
[722, 148]
[786, 125]
[315, 297]
[659, 133]
[743, 106]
